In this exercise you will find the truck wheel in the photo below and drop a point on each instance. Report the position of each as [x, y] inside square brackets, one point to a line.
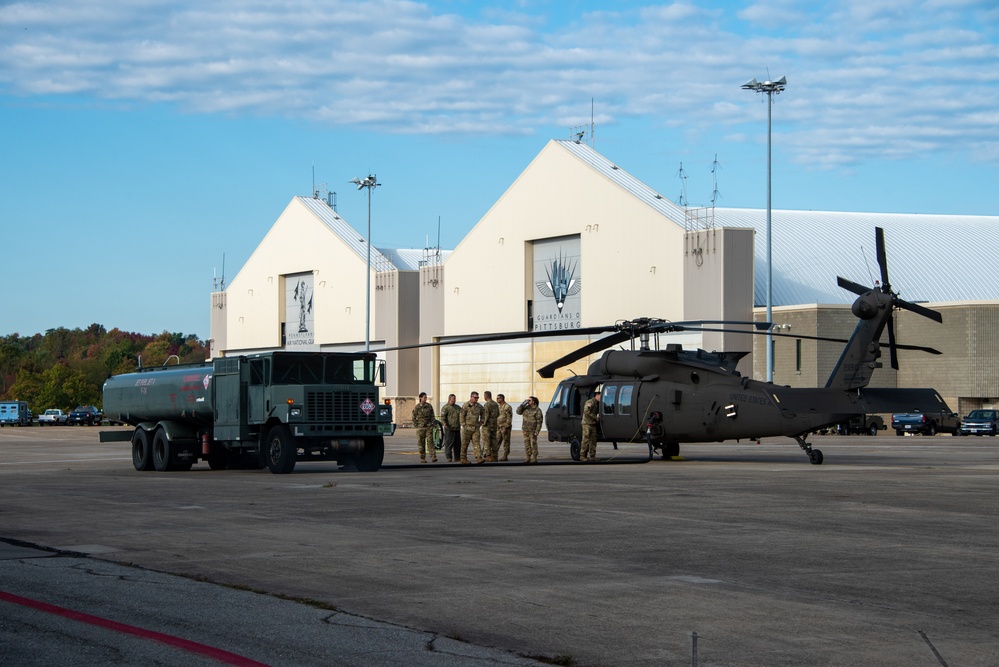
[218, 459]
[370, 459]
[142, 457]
[280, 451]
[872, 429]
[932, 430]
[161, 451]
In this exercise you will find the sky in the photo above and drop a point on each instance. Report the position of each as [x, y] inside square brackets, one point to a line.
[147, 146]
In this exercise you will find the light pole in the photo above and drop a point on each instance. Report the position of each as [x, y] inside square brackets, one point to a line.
[371, 182]
[771, 88]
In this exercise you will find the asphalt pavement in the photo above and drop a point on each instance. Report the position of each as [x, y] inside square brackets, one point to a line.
[886, 554]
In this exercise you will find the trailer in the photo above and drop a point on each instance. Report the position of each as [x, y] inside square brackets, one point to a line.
[15, 413]
[270, 409]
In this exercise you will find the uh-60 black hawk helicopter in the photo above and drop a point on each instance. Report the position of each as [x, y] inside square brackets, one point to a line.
[664, 397]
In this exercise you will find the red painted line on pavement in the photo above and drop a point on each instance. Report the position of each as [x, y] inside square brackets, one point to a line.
[187, 645]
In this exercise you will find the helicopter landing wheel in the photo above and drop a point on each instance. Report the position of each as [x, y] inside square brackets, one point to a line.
[574, 449]
[670, 449]
[815, 456]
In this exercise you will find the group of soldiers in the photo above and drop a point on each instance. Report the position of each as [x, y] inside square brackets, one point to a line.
[485, 426]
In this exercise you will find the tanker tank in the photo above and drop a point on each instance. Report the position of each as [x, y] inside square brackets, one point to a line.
[180, 393]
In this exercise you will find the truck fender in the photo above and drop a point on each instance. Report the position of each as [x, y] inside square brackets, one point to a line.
[172, 429]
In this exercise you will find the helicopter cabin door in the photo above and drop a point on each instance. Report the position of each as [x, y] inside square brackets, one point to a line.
[618, 421]
[564, 418]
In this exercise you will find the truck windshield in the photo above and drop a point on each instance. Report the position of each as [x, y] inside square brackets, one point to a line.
[319, 369]
[297, 369]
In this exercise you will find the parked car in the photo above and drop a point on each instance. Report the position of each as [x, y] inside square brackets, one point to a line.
[866, 424]
[85, 414]
[926, 424]
[53, 417]
[980, 422]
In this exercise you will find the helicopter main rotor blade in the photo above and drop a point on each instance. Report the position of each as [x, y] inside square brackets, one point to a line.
[508, 335]
[900, 346]
[892, 347]
[856, 288]
[919, 310]
[548, 371]
[879, 237]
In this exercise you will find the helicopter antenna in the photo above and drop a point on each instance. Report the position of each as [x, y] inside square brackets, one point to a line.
[682, 175]
[870, 274]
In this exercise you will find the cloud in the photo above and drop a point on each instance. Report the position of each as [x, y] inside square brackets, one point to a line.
[866, 78]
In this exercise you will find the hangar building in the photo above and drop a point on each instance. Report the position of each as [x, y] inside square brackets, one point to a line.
[576, 241]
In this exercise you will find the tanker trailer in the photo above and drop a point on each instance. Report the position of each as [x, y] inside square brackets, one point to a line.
[268, 409]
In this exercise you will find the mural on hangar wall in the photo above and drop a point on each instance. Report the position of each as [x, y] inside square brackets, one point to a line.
[298, 315]
[557, 284]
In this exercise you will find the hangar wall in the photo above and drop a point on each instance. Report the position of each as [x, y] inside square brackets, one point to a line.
[297, 243]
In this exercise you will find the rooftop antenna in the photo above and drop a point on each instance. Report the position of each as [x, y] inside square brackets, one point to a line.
[715, 194]
[593, 127]
[315, 193]
[222, 286]
[438, 236]
[682, 175]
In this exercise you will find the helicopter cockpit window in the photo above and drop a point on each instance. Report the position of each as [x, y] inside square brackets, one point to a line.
[556, 399]
[610, 393]
[624, 400]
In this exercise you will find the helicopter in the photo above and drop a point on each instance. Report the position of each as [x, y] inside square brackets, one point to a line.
[664, 397]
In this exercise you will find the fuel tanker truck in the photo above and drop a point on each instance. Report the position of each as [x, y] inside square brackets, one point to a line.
[268, 409]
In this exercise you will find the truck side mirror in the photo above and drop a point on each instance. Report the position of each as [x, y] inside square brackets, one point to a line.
[380, 380]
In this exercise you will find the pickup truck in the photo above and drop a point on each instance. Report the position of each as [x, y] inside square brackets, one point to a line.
[980, 422]
[85, 414]
[925, 423]
[865, 424]
[53, 417]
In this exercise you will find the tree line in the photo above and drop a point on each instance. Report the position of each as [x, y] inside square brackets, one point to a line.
[63, 368]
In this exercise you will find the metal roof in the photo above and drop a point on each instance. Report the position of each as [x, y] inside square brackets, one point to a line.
[637, 188]
[400, 259]
[937, 258]
[350, 236]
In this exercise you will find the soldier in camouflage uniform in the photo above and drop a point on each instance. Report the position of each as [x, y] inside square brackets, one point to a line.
[489, 426]
[472, 414]
[533, 420]
[591, 417]
[423, 420]
[504, 424]
[451, 423]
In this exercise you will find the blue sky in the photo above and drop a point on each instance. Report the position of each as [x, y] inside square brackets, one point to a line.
[143, 140]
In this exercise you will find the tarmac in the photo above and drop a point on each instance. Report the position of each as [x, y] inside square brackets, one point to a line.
[884, 555]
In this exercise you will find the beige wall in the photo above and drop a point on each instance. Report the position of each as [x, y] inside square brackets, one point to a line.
[630, 255]
[397, 294]
[432, 289]
[298, 242]
[718, 285]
